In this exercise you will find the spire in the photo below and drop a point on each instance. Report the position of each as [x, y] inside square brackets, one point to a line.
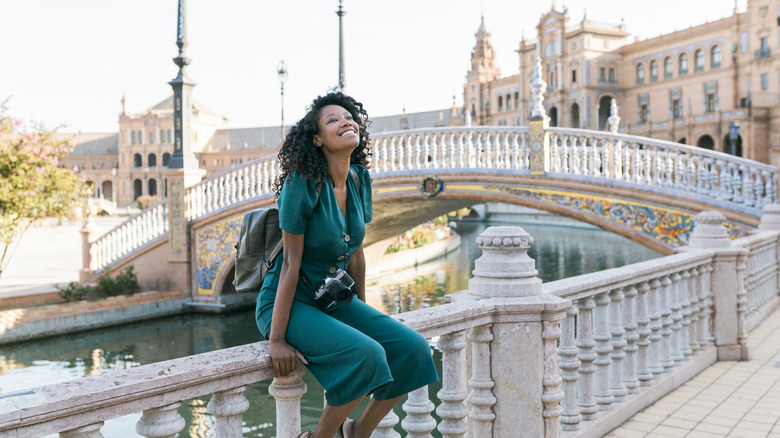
[124, 105]
[342, 82]
[183, 156]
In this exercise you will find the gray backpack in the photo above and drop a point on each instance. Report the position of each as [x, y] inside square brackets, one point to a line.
[259, 243]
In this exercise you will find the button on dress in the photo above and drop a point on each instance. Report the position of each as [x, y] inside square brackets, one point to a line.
[354, 349]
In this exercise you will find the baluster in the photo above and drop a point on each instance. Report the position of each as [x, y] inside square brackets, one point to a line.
[565, 156]
[601, 335]
[708, 334]
[486, 143]
[696, 305]
[452, 409]
[617, 331]
[587, 354]
[288, 392]
[654, 309]
[666, 323]
[399, 153]
[742, 336]
[227, 407]
[555, 148]
[420, 155]
[736, 183]
[628, 159]
[471, 159]
[162, 422]
[274, 172]
[597, 169]
[631, 336]
[433, 144]
[576, 156]
[412, 153]
[385, 427]
[643, 330]
[675, 349]
[506, 159]
[481, 400]
[552, 395]
[418, 422]
[584, 160]
[570, 417]
[685, 311]
[88, 431]
[747, 186]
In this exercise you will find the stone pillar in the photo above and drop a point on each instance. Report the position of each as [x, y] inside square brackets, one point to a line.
[178, 227]
[540, 143]
[727, 290]
[288, 392]
[770, 221]
[524, 335]
[87, 272]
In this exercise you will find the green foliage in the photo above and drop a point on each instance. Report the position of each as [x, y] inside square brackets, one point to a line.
[126, 283]
[75, 291]
[145, 201]
[424, 234]
[33, 184]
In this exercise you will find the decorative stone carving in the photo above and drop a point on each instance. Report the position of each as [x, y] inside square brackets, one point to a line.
[538, 85]
[385, 427]
[505, 269]
[288, 392]
[228, 407]
[89, 431]
[418, 407]
[162, 422]
[709, 231]
[614, 118]
[770, 218]
[552, 394]
[453, 410]
[481, 399]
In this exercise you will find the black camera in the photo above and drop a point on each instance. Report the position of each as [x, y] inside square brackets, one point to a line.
[335, 290]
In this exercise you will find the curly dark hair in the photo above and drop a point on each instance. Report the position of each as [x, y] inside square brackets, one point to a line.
[298, 153]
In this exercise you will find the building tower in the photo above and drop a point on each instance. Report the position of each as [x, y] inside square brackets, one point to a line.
[483, 70]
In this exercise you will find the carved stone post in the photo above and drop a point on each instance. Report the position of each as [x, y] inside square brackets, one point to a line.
[86, 274]
[710, 233]
[539, 156]
[385, 427]
[228, 407]
[162, 422]
[452, 410]
[288, 392]
[523, 356]
[418, 407]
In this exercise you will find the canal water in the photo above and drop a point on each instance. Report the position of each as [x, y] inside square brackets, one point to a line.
[560, 252]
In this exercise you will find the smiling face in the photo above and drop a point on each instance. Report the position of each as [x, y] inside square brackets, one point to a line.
[337, 130]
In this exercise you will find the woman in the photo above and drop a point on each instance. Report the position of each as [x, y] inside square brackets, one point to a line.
[324, 198]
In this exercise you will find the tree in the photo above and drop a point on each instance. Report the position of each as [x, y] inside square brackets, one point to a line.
[33, 184]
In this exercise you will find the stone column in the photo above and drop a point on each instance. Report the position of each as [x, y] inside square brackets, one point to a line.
[178, 227]
[770, 221]
[729, 318]
[539, 156]
[524, 332]
[87, 272]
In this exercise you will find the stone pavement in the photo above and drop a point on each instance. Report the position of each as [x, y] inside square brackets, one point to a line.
[729, 399]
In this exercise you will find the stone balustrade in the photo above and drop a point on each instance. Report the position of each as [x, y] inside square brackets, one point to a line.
[139, 230]
[572, 358]
[236, 185]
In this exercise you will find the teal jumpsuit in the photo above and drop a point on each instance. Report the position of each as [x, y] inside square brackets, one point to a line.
[354, 349]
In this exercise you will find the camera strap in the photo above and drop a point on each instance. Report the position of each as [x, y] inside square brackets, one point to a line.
[346, 220]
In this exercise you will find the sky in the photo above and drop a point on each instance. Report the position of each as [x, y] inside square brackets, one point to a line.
[67, 64]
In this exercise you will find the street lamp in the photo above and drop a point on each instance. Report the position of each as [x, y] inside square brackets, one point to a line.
[281, 72]
[733, 136]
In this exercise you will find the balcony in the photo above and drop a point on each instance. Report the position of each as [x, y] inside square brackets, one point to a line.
[762, 53]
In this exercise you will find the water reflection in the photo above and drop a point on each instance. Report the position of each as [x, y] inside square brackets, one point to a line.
[560, 252]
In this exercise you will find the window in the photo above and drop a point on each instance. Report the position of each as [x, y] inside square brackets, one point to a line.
[676, 109]
[715, 57]
[743, 42]
[640, 74]
[683, 64]
[611, 75]
[765, 81]
[644, 113]
[668, 67]
[574, 76]
[552, 80]
[170, 136]
[500, 103]
[167, 158]
[602, 74]
[653, 70]
[517, 100]
[137, 160]
[151, 138]
[711, 102]
[152, 160]
[699, 59]
[134, 140]
[508, 102]
[763, 51]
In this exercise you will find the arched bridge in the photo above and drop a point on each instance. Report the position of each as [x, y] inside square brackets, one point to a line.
[647, 190]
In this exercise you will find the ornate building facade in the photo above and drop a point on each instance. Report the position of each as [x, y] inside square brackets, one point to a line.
[686, 86]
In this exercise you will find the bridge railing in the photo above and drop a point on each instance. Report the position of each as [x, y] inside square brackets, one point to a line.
[625, 337]
[233, 186]
[658, 163]
[123, 239]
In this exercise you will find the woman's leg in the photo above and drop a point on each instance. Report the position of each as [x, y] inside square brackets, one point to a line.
[333, 416]
[374, 413]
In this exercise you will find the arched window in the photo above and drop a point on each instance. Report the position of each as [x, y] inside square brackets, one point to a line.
[517, 100]
[683, 64]
[152, 187]
[152, 160]
[653, 70]
[715, 57]
[553, 113]
[699, 60]
[166, 159]
[640, 74]
[550, 49]
[138, 187]
[500, 103]
[668, 67]
[137, 160]
[706, 142]
[508, 102]
[575, 115]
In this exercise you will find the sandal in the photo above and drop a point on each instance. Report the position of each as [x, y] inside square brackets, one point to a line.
[344, 428]
[305, 435]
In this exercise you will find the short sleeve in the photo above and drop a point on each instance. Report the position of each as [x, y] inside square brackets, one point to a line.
[365, 191]
[296, 203]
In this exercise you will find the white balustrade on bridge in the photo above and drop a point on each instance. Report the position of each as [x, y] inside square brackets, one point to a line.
[139, 230]
[572, 358]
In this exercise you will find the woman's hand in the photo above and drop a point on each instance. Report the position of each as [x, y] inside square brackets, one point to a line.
[283, 356]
